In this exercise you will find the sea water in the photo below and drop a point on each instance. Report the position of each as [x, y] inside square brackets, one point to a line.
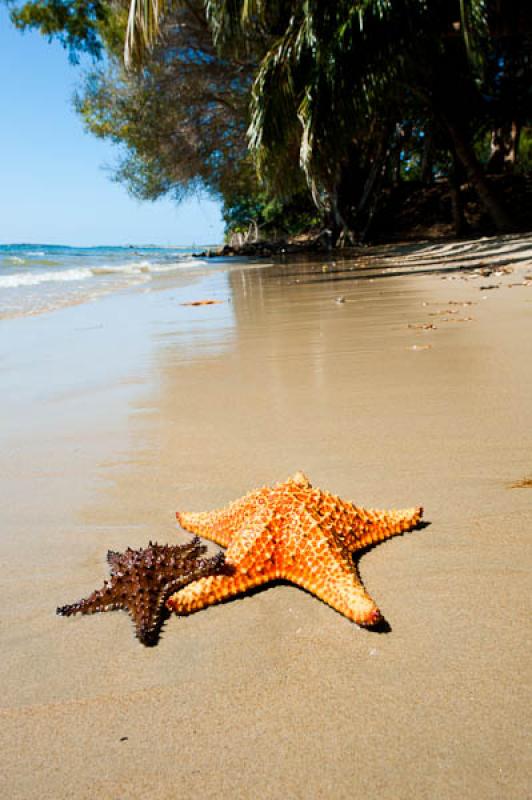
[38, 278]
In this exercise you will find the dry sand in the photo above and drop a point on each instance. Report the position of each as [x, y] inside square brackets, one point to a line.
[119, 412]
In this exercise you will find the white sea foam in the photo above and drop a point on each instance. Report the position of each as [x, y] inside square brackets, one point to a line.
[84, 273]
[146, 267]
[33, 279]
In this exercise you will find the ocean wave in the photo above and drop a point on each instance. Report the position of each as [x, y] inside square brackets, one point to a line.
[15, 259]
[122, 269]
[146, 267]
[183, 263]
[32, 279]
[135, 269]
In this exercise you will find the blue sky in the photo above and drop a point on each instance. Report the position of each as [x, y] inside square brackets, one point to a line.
[53, 186]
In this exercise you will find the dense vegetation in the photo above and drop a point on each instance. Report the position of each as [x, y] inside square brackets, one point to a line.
[301, 114]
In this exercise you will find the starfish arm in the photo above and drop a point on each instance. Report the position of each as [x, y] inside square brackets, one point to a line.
[100, 600]
[338, 584]
[221, 525]
[149, 616]
[214, 589]
[366, 527]
[248, 564]
[204, 523]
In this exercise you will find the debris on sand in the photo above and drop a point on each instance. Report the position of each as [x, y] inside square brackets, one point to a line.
[202, 303]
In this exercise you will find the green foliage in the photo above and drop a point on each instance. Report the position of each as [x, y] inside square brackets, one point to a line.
[181, 120]
[339, 79]
[269, 217]
[525, 150]
[82, 26]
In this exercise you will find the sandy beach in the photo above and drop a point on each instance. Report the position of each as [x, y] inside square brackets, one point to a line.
[401, 378]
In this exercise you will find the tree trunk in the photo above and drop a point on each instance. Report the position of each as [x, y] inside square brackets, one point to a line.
[367, 205]
[371, 183]
[328, 202]
[341, 233]
[504, 146]
[465, 153]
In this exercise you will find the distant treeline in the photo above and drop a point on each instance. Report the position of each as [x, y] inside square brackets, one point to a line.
[309, 114]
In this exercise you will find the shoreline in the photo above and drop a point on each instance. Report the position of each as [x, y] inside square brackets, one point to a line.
[61, 291]
[391, 393]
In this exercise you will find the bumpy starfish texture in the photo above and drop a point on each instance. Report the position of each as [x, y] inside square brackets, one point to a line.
[294, 532]
[142, 580]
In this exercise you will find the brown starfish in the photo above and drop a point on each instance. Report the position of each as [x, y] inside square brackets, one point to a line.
[141, 581]
[296, 533]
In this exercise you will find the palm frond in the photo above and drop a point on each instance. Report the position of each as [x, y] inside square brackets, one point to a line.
[143, 26]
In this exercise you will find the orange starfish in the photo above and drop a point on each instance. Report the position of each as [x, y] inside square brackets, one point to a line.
[297, 533]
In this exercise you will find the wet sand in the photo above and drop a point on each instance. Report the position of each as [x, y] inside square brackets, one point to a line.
[119, 412]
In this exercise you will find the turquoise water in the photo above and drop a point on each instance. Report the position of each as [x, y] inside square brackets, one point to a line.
[37, 278]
